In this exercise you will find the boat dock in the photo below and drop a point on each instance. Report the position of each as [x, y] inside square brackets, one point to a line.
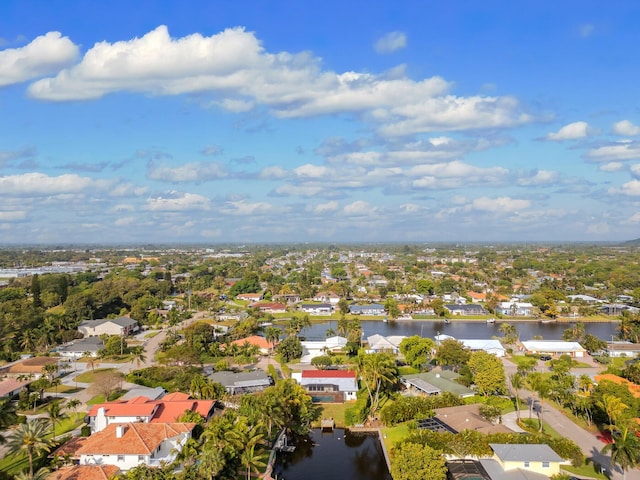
[327, 424]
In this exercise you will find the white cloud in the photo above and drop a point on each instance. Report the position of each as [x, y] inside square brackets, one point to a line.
[212, 150]
[619, 151]
[541, 177]
[391, 42]
[410, 208]
[188, 172]
[631, 188]
[242, 207]
[454, 174]
[625, 127]
[331, 206]
[178, 202]
[273, 173]
[600, 228]
[13, 216]
[39, 184]
[572, 131]
[359, 207]
[635, 218]
[635, 170]
[311, 171]
[45, 55]
[611, 167]
[500, 204]
[235, 67]
[125, 221]
[304, 190]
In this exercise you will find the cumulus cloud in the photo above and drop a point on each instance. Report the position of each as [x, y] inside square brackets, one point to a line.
[635, 170]
[572, 131]
[539, 177]
[454, 174]
[611, 167]
[626, 128]
[635, 218]
[39, 184]
[178, 202]
[618, 151]
[499, 204]
[631, 189]
[273, 173]
[359, 207]
[188, 172]
[391, 42]
[331, 206]
[45, 55]
[9, 156]
[243, 207]
[235, 68]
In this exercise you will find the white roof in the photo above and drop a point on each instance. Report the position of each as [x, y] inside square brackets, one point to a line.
[552, 346]
[442, 337]
[486, 345]
[378, 342]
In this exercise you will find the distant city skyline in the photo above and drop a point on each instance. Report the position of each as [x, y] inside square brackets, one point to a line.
[274, 122]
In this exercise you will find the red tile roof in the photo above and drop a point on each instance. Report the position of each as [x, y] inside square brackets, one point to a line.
[253, 340]
[167, 409]
[328, 374]
[85, 472]
[126, 409]
[138, 438]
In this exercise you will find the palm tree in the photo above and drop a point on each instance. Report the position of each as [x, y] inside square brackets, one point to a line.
[272, 335]
[55, 414]
[517, 382]
[30, 438]
[41, 474]
[138, 357]
[614, 408]
[539, 384]
[253, 461]
[625, 450]
[377, 370]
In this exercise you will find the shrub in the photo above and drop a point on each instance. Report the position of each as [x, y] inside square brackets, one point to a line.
[85, 431]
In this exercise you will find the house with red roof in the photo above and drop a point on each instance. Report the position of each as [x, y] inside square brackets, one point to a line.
[328, 385]
[258, 341]
[141, 409]
[85, 472]
[270, 307]
[131, 444]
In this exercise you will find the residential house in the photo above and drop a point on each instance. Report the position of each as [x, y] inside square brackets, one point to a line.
[317, 308]
[260, 342]
[435, 382]
[270, 307]
[516, 309]
[251, 297]
[633, 388]
[554, 347]
[141, 409]
[236, 383]
[371, 309]
[467, 417]
[30, 367]
[622, 349]
[312, 349]
[329, 386]
[536, 458]
[288, 298]
[10, 387]
[327, 297]
[617, 309]
[377, 343]
[89, 346]
[122, 326]
[588, 299]
[465, 309]
[491, 346]
[131, 444]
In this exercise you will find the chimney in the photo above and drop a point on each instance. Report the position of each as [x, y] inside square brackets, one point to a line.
[120, 429]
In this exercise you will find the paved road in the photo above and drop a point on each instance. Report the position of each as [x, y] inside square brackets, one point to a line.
[587, 441]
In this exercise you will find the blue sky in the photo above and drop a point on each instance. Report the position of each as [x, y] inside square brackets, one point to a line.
[256, 121]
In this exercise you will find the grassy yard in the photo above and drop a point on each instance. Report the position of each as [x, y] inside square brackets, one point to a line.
[63, 389]
[391, 435]
[332, 410]
[152, 334]
[584, 471]
[90, 376]
[532, 425]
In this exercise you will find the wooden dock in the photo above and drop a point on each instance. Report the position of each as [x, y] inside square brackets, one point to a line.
[327, 424]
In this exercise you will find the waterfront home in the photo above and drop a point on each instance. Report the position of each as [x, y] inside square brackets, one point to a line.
[378, 343]
[317, 308]
[141, 409]
[328, 385]
[312, 349]
[622, 349]
[434, 383]
[236, 383]
[554, 347]
[371, 309]
[515, 309]
[467, 417]
[260, 342]
[131, 444]
[491, 346]
[467, 309]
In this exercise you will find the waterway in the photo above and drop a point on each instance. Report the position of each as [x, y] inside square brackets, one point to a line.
[462, 329]
[336, 454]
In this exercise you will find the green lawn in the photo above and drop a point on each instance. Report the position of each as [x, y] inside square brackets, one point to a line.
[519, 359]
[391, 435]
[584, 471]
[332, 410]
[152, 334]
[532, 425]
[90, 376]
[63, 389]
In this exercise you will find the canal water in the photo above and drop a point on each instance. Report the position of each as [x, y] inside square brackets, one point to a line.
[462, 329]
[334, 455]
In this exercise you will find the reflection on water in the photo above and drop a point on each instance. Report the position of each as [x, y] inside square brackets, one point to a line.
[335, 455]
[461, 329]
